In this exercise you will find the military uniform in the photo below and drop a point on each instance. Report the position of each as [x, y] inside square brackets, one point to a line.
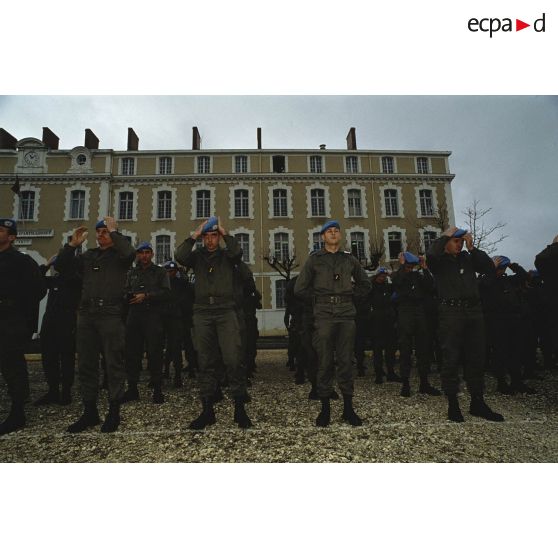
[21, 289]
[333, 281]
[293, 322]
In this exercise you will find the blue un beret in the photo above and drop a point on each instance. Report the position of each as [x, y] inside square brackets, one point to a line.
[170, 265]
[410, 258]
[144, 246]
[211, 225]
[382, 270]
[328, 225]
[459, 233]
[10, 224]
[101, 224]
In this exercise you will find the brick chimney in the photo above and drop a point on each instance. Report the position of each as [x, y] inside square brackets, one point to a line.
[50, 139]
[7, 141]
[196, 139]
[133, 140]
[91, 140]
[351, 140]
[259, 138]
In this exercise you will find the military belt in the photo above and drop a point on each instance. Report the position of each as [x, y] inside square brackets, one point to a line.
[460, 302]
[212, 299]
[96, 302]
[333, 299]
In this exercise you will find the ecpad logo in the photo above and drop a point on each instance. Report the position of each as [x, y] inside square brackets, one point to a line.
[492, 25]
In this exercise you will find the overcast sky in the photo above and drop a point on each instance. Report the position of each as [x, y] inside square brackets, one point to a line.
[504, 149]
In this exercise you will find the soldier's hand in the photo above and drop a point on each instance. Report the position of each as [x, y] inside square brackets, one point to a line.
[401, 258]
[422, 260]
[221, 229]
[79, 236]
[197, 233]
[111, 224]
[449, 232]
[469, 241]
[138, 298]
[51, 260]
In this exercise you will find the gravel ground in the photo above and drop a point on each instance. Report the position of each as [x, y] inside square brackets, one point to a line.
[395, 429]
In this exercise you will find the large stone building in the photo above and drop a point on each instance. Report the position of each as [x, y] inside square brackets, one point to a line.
[274, 201]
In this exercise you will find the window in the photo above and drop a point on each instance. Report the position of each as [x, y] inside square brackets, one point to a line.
[351, 164]
[317, 202]
[165, 165]
[357, 245]
[280, 203]
[281, 246]
[316, 163]
[27, 206]
[243, 240]
[241, 163]
[395, 246]
[126, 205]
[203, 204]
[392, 207]
[317, 241]
[77, 204]
[164, 204]
[387, 165]
[422, 165]
[428, 238]
[280, 291]
[241, 203]
[278, 163]
[162, 248]
[203, 164]
[355, 203]
[426, 203]
[128, 166]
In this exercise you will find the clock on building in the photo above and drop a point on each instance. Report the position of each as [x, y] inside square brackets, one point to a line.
[31, 157]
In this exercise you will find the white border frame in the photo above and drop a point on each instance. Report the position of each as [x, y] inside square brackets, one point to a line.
[280, 186]
[166, 232]
[391, 186]
[366, 232]
[428, 165]
[309, 188]
[394, 228]
[359, 167]
[363, 201]
[394, 164]
[251, 241]
[193, 194]
[121, 165]
[272, 233]
[308, 157]
[425, 186]
[27, 188]
[116, 203]
[154, 194]
[69, 190]
[232, 190]
[196, 164]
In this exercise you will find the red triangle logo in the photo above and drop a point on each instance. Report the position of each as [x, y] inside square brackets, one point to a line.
[519, 25]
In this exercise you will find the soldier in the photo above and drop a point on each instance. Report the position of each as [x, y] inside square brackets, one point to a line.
[294, 308]
[331, 278]
[546, 263]
[58, 335]
[461, 320]
[362, 334]
[502, 304]
[215, 318]
[252, 303]
[412, 288]
[21, 289]
[147, 292]
[100, 327]
[383, 326]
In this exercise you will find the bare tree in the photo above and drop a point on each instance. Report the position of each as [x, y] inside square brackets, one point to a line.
[441, 217]
[283, 267]
[377, 252]
[485, 236]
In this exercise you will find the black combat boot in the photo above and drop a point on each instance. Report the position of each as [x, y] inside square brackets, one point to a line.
[207, 416]
[158, 395]
[177, 380]
[426, 388]
[299, 377]
[240, 416]
[89, 418]
[313, 395]
[503, 387]
[131, 394]
[392, 376]
[349, 414]
[454, 412]
[379, 376]
[66, 395]
[361, 369]
[479, 408]
[112, 420]
[520, 387]
[245, 397]
[50, 397]
[15, 419]
[405, 388]
[324, 417]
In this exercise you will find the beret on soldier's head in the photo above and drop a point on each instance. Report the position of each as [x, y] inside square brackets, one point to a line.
[211, 225]
[144, 246]
[170, 265]
[10, 224]
[329, 225]
[459, 233]
[410, 258]
[101, 224]
[381, 270]
[504, 261]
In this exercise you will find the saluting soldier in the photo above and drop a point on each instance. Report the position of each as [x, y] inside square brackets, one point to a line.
[215, 319]
[147, 291]
[334, 280]
[21, 289]
[100, 327]
[462, 333]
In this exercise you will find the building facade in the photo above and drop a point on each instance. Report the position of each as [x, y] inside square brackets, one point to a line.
[273, 201]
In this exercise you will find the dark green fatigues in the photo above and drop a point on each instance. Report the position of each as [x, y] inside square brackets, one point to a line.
[100, 328]
[383, 326]
[21, 289]
[327, 279]
[461, 321]
[173, 322]
[144, 324]
[215, 317]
